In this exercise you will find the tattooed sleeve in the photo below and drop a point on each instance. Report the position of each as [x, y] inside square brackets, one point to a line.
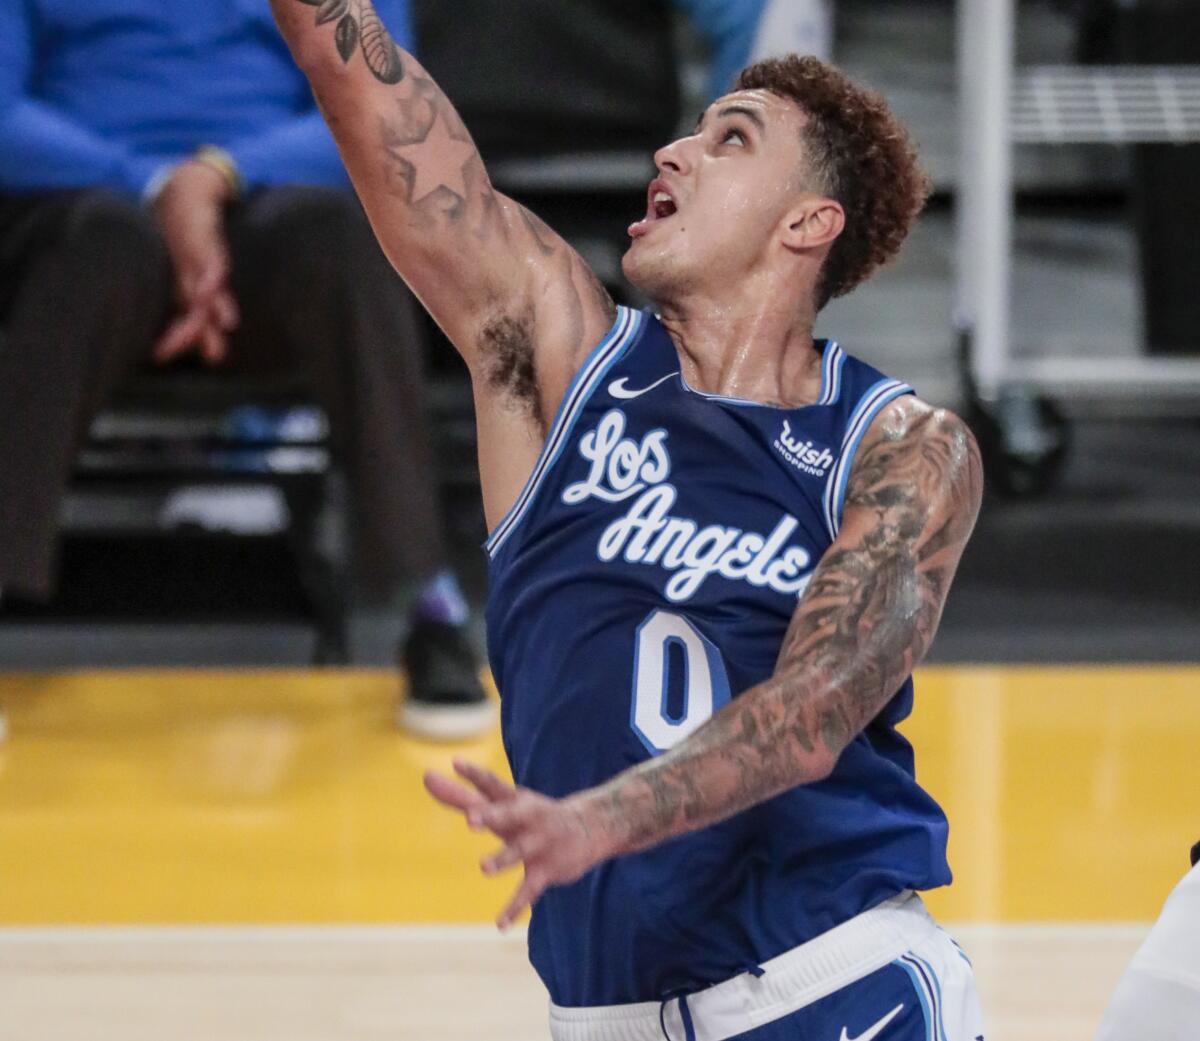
[496, 278]
[865, 620]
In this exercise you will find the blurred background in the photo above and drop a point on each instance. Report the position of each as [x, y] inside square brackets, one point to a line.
[240, 574]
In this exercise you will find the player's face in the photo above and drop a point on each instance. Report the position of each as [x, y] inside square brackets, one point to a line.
[722, 196]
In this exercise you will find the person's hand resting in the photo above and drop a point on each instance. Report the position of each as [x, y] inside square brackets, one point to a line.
[190, 214]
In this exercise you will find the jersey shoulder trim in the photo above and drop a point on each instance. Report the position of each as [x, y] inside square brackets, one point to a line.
[624, 331]
[831, 374]
[868, 407]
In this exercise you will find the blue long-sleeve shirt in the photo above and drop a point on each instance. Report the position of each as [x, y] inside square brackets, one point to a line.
[105, 92]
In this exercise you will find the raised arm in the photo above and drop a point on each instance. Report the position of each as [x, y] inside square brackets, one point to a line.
[519, 304]
[865, 621]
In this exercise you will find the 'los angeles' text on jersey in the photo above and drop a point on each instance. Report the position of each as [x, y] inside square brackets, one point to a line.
[638, 472]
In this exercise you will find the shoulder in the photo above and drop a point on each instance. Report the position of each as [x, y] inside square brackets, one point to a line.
[918, 449]
[909, 420]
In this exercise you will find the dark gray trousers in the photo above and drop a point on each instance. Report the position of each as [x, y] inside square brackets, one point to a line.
[85, 288]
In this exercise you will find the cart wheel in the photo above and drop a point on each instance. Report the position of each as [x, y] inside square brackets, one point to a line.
[1024, 440]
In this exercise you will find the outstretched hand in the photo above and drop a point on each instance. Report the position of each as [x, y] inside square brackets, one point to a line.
[550, 838]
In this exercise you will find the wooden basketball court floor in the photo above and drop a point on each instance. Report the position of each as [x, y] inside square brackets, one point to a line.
[249, 856]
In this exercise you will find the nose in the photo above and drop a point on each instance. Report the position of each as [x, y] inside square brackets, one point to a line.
[674, 158]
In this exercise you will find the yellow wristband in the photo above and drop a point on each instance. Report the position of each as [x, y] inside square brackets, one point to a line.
[223, 163]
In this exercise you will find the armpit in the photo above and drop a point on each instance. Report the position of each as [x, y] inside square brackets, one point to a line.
[506, 350]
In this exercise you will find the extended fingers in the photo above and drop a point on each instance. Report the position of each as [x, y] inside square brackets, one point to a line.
[450, 793]
[526, 895]
[486, 781]
[520, 848]
[504, 818]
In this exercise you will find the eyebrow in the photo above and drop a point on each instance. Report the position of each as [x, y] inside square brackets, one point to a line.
[737, 110]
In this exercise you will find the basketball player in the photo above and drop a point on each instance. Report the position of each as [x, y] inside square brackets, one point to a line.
[1158, 998]
[718, 548]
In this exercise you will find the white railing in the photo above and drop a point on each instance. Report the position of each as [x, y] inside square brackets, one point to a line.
[1047, 105]
[1106, 105]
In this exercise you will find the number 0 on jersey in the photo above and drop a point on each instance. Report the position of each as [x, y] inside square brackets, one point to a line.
[705, 684]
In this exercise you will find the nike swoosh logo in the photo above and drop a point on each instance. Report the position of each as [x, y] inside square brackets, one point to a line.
[618, 389]
[873, 1031]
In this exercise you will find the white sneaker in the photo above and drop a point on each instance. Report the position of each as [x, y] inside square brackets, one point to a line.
[445, 701]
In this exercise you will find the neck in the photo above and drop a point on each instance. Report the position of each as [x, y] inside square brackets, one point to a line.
[741, 345]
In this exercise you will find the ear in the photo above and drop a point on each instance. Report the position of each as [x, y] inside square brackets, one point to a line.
[816, 221]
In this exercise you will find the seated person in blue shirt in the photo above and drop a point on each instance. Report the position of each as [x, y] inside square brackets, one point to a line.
[167, 184]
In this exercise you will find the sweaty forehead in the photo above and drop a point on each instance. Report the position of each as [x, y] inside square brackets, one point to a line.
[773, 108]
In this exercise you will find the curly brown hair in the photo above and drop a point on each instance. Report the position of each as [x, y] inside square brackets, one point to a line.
[860, 154]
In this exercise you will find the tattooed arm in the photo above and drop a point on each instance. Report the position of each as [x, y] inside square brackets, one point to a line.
[519, 304]
[866, 619]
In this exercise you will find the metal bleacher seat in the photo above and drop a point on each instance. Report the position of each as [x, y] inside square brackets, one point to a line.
[168, 448]
[190, 450]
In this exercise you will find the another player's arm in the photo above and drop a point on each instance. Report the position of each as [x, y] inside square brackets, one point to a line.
[865, 621]
[519, 304]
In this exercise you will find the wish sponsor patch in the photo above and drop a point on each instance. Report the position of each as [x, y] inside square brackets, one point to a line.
[803, 454]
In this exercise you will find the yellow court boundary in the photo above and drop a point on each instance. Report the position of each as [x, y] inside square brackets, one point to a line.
[266, 797]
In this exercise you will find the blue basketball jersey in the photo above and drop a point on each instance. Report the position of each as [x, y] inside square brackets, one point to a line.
[645, 575]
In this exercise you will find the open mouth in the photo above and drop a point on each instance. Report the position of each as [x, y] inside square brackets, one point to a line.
[660, 206]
